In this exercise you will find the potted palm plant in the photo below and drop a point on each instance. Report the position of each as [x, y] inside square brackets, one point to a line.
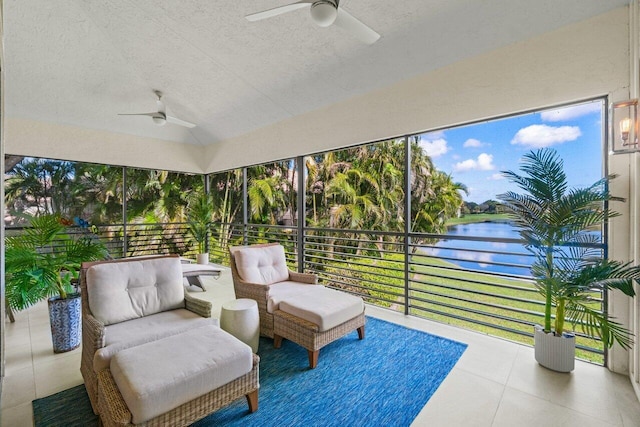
[559, 226]
[199, 216]
[41, 262]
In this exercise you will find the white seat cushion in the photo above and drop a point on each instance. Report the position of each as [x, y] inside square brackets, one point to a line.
[326, 308]
[262, 265]
[278, 292]
[145, 329]
[159, 376]
[120, 291]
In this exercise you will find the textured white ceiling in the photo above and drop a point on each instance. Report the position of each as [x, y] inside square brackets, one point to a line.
[82, 62]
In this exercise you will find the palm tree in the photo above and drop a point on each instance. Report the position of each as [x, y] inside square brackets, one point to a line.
[199, 214]
[557, 225]
[98, 193]
[264, 193]
[444, 203]
[40, 185]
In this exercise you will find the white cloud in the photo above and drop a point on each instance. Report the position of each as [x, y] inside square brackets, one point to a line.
[539, 136]
[570, 113]
[435, 148]
[436, 134]
[472, 143]
[484, 162]
[496, 177]
[483, 259]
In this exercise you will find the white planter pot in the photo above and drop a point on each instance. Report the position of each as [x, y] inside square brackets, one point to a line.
[202, 258]
[555, 353]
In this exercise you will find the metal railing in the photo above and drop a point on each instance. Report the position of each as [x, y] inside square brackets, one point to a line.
[438, 277]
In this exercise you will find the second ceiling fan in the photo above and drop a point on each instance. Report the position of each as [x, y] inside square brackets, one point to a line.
[161, 117]
[324, 13]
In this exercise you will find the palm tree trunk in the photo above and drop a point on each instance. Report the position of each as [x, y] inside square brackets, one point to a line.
[559, 329]
[548, 284]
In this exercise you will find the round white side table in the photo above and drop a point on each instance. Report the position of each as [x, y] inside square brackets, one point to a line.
[241, 319]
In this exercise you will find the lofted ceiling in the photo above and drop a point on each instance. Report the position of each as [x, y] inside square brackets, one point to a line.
[81, 62]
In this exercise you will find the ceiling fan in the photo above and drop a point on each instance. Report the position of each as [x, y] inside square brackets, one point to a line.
[160, 117]
[324, 13]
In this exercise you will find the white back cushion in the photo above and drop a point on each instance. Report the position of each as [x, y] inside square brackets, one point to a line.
[262, 265]
[120, 291]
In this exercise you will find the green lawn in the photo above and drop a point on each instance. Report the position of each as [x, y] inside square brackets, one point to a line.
[443, 292]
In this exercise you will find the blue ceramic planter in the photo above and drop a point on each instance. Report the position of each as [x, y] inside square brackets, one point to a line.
[65, 316]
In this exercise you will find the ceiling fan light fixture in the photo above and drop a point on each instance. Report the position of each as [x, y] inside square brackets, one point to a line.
[324, 13]
[160, 121]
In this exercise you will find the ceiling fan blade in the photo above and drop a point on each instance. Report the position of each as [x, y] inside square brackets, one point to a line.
[278, 10]
[177, 121]
[154, 114]
[348, 22]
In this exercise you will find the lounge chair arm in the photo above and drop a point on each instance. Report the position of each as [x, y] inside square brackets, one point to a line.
[308, 278]
[93, 332]
[117, 411]
[197, 305]
[251, 290]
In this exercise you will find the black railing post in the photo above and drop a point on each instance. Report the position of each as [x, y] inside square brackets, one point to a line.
[207, 191]
[125, 242]
[245, 210]
[605, 225]
[407, 220]
[301, 212]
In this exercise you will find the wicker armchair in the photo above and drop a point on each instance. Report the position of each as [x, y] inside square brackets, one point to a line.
[94, 331]
[291, 305]
[260, 292]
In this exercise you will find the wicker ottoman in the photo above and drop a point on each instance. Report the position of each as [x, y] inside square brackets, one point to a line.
[317, 318]
[177, 380]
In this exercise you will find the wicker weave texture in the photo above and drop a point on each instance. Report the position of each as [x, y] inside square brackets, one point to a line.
[197, 306]
[306, 334]
[92, 340]
[114, 411]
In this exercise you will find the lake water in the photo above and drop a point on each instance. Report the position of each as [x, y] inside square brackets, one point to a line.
[508, 256]
[498, 257]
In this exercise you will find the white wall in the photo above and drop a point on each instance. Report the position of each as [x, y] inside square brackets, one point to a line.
[634, 197]
[55, 141]
[2, 285]
[576, 62]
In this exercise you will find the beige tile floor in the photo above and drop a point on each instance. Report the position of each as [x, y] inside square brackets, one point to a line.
[495, 383]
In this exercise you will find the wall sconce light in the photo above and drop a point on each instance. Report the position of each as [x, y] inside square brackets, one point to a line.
[623, 127]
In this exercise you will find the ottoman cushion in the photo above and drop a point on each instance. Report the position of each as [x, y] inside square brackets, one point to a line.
[159, 376]
[326, 308]
[285, 290]
[145, 329]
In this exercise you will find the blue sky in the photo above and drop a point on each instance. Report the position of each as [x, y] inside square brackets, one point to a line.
[475, 155]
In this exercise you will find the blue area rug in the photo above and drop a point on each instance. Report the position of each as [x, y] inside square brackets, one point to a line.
[385, 379]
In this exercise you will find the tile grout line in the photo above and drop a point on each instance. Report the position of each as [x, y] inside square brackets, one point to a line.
[504, 389]
[33, 362]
